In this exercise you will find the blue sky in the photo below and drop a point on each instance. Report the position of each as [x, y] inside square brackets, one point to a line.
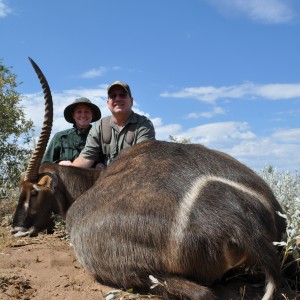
[223, 73]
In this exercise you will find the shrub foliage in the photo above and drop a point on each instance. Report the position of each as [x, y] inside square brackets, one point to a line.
[15, 131]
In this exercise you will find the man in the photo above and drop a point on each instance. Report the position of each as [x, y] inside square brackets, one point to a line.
[66, 145]
[110, 135]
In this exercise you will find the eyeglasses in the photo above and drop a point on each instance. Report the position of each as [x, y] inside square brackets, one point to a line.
[114, 96]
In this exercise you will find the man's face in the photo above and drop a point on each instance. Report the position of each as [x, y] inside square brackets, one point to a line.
[119, 102]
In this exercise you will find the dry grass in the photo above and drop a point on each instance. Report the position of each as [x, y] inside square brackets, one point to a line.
[7, 207]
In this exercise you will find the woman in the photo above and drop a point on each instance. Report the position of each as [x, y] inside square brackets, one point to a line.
[66, 145]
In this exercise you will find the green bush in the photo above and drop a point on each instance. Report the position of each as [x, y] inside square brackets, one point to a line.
[286, 187]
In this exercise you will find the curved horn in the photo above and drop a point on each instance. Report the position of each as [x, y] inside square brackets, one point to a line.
[36, 158]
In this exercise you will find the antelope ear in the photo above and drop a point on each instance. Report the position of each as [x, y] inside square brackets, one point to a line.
[46, 181]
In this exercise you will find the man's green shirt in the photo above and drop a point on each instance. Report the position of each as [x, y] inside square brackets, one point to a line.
[95, 148]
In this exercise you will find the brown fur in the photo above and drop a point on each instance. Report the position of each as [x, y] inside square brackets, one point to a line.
[182, 213]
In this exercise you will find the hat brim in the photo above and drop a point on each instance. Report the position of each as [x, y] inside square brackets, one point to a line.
[68, 112]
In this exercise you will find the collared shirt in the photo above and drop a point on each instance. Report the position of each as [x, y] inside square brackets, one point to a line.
[66, 145]
[95, 148]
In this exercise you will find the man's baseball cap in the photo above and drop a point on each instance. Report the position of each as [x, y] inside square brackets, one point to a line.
[124, 85]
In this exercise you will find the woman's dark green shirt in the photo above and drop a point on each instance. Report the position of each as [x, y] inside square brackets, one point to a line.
[66, 145]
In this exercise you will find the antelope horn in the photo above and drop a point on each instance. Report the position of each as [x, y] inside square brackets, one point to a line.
[37, 156]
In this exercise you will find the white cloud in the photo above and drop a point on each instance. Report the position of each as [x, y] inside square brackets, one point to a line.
[277, 91]
[164, 131]
[267, 151]
[237, 139]
[209, 94]
[97, 72]
[216, 134]
[207, 114]
[288, 135]
[265, 11]
[4, 9]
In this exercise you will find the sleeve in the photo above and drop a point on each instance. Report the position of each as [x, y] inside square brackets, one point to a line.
[145, 131]
[52, 153]
[93, 146]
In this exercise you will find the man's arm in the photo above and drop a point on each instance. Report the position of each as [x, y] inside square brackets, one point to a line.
[92, 150]
[145, 131]
[83, 162]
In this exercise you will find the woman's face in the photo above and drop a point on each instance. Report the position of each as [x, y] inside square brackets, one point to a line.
[82, 115]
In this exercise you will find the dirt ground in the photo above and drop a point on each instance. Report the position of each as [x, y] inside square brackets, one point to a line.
[45, 267]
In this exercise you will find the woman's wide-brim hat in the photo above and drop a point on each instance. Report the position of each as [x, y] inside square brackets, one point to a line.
[68, 112]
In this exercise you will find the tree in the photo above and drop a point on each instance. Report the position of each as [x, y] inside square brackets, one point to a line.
[15, 131]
